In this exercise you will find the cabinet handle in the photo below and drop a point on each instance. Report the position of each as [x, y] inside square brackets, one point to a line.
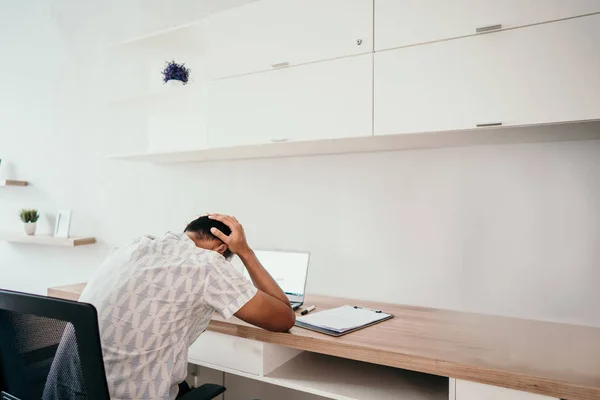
[280, 140]
[489, 124]
[281, 65]
[359, 41]
[488, 28]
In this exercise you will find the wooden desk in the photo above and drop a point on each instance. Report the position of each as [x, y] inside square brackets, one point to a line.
[557, 360]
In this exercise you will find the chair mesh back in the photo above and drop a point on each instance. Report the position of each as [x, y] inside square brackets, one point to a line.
[39, 358]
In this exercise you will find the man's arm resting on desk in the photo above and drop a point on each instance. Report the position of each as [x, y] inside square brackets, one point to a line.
[269, 308]
[267, 312]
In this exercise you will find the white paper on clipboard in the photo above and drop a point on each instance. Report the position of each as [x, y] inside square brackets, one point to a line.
[343, 318]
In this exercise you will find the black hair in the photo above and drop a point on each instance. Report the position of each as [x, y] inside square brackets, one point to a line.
[201, 227]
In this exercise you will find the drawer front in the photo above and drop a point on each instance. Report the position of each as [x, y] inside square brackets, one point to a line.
[227, 351]
[476, 391]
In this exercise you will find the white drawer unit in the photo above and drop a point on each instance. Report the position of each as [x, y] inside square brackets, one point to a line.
[324, 100]
[225, 352]
[535, 75]
[405, 22]
[270, 34]
[476, 391]
[317, 376]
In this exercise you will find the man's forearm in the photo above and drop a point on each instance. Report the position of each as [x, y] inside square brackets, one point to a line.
[260, 277]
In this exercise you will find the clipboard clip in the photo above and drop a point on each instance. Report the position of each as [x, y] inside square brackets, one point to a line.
[370, 309]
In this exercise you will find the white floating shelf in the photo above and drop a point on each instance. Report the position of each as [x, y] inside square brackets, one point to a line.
[474, 137]
[188, 35]
[342, 379]
[164, 93]
[12, 182]
[48, 240]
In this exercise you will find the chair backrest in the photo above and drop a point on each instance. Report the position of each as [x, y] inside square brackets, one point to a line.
[49, 349]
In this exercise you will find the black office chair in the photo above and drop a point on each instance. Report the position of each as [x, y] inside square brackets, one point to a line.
[35, 331]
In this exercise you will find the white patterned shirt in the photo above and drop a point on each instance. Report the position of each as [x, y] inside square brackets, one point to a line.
[154, 298]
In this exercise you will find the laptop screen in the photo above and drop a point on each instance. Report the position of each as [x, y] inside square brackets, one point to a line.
[289, 269]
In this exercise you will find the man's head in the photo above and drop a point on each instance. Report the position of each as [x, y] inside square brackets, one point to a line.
[199, 231]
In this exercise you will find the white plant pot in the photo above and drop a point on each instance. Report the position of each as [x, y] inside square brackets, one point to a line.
[173, 83]
[30, 228]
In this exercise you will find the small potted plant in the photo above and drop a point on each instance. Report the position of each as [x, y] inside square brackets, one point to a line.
[175, 74]
[29, 218]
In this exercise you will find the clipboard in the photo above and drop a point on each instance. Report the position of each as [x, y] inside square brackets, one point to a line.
[342, 320]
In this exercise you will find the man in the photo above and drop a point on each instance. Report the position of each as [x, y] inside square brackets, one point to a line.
[156, 296]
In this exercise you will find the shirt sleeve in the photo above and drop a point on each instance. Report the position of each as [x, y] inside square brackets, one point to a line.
[226, 289]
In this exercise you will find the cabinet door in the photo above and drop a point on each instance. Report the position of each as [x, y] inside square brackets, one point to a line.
[540, 74]
[430, 88]
[476, 391]
[324, 100]
[271, 33]
[546, 73]
[405, 22]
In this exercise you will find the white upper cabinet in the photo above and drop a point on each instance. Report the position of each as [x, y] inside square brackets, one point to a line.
[325, 100]
[404, 22]
[269, 34]
[545, 73]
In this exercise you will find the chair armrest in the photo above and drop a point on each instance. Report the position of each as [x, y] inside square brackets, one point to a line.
[207, 391]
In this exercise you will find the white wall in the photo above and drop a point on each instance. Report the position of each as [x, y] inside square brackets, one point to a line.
[509, 229]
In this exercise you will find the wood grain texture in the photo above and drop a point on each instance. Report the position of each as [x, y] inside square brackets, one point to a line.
[552, 359]
[68, 292]
[47, 240]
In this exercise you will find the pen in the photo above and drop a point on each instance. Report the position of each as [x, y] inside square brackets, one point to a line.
[307, 310]
[370, 309]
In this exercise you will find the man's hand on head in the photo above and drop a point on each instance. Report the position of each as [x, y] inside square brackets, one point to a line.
[270, 307]
[236, 241]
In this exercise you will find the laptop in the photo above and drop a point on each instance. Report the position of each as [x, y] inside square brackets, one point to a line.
[288, 268]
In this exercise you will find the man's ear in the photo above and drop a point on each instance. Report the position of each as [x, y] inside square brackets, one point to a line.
[221, 249]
